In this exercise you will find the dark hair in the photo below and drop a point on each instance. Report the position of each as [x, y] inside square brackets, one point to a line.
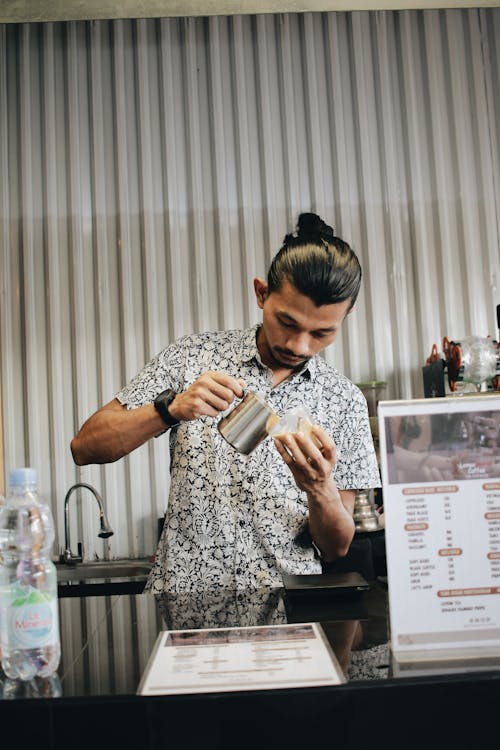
[318, 264]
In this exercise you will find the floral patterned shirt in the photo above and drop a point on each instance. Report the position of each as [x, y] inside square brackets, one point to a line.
[238, 521]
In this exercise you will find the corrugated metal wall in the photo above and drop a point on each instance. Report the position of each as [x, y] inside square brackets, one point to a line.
[120, 631]
[149, 169]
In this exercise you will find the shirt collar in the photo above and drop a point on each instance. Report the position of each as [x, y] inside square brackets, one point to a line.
[250, 351]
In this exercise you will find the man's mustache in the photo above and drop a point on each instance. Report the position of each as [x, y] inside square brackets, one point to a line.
[289, 353]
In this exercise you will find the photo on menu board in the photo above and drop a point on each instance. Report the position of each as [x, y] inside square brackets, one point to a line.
[442, 446]
[440, 465]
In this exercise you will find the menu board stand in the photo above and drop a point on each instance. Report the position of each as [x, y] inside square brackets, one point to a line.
[440, 462]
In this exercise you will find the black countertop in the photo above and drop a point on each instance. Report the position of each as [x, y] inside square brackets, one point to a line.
[106, 642]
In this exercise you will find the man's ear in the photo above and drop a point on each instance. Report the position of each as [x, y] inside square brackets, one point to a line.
[261, 291]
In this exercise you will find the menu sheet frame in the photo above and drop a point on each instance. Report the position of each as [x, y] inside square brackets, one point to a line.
[240, 658]
[441, 502]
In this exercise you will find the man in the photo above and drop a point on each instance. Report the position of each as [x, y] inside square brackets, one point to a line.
[237, 521]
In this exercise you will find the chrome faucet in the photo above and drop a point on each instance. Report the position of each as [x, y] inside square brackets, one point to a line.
[105, 532]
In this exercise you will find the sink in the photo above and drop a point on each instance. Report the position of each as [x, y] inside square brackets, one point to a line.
[102, 577]
[103, 570]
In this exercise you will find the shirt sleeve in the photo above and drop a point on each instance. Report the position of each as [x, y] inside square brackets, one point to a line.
[357, 465]
[165, 370]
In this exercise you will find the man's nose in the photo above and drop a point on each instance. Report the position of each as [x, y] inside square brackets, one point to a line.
[299, 344]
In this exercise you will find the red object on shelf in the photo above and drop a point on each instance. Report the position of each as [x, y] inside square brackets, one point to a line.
[434, 356]
[453, 357]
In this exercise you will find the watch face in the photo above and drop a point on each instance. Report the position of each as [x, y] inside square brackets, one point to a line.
[167, 396]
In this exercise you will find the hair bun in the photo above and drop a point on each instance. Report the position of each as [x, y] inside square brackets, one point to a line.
[311, 226]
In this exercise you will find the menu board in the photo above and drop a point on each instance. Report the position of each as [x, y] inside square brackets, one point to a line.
[440, 463]
[240, 658]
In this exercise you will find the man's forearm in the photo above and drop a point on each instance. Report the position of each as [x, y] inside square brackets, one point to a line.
[331, 524]
[113, 432]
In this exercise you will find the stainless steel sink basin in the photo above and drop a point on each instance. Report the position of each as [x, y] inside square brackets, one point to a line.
[103, 576]
[103, 570]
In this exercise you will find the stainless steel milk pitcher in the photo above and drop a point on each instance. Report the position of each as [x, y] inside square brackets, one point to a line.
[249, 423]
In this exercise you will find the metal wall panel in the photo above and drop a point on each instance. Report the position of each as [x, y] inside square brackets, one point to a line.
[119, 650]
[150, 168]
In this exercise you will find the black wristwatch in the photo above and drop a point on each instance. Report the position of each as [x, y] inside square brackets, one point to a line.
[161, 404]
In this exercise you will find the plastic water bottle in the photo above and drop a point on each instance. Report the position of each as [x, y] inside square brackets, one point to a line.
[29, 616]
[38, 687]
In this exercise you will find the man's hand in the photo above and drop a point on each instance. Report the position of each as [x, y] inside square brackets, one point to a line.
[310, 456]
[210, 394]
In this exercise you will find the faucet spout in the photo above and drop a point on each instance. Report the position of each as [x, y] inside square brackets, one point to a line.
[105, 532]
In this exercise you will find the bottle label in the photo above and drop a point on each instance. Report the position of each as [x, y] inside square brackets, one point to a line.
[32, 621]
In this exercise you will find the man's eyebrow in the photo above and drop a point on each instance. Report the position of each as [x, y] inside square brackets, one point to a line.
[332, 329]
[291, 319]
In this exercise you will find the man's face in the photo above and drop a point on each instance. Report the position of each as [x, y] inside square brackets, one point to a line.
[293, 328]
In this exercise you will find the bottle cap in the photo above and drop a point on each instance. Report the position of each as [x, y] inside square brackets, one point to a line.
[20, 477]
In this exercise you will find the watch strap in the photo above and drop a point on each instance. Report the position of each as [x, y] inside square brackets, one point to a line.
[161, 404]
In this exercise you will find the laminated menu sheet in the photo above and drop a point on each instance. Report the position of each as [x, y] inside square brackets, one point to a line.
[240, 658]
[440, 463]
